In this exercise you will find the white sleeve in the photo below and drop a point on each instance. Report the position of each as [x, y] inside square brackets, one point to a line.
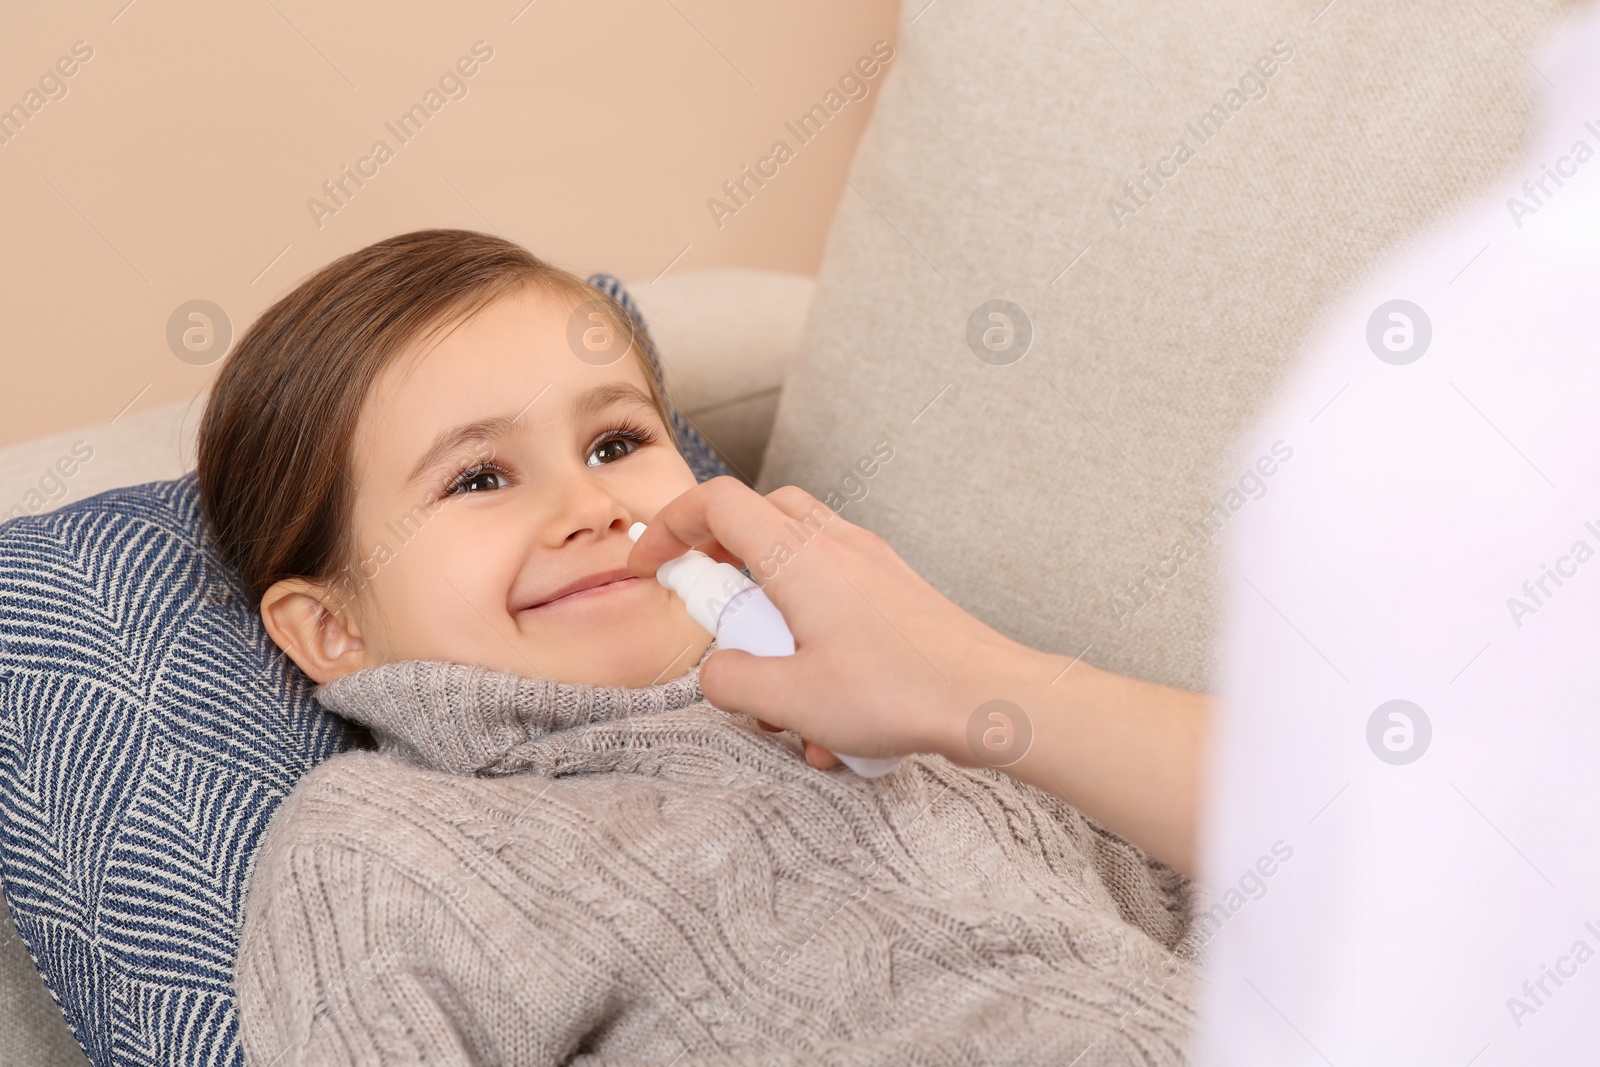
[1419, 882]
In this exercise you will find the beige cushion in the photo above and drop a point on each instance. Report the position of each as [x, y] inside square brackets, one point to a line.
[1035, 493]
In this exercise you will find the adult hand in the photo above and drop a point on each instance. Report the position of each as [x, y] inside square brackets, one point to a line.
[884, 664]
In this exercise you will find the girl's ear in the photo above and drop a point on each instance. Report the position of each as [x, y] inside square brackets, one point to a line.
[314, 629]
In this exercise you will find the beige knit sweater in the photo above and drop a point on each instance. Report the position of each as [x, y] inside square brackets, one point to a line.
[530, 872]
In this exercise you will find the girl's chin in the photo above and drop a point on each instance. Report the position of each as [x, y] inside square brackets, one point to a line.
[650, 648]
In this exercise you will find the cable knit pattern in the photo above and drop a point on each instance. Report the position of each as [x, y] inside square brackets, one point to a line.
[532, 872]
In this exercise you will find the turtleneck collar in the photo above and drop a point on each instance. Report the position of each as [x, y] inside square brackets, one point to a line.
[471, 720]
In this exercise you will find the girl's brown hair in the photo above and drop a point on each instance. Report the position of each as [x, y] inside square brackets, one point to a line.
[274, 448]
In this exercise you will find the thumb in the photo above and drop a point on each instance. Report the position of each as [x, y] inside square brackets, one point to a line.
[734, 680]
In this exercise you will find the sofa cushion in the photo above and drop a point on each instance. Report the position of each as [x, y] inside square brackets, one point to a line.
[1169, 191]
[148, 729]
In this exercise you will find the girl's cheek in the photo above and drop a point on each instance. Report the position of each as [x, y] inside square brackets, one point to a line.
[450, 565]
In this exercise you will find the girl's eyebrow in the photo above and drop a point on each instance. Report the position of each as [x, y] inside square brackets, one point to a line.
[590, 402]
[448, 441]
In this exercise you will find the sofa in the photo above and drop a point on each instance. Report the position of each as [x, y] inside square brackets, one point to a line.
[1078, 245]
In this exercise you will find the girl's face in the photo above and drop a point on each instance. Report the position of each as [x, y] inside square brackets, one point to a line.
[494, 471]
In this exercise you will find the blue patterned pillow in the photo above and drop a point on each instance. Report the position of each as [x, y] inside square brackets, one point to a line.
[148, 729]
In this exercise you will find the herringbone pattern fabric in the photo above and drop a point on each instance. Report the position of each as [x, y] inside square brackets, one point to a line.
[148, 728]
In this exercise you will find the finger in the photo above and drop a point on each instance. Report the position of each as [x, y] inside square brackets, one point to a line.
[809, 519]
[767, 726]
[715, 550]
[809, 514]
[732, 680]
[796, 503]
[819, 757]
[724, 510]
[801, 506]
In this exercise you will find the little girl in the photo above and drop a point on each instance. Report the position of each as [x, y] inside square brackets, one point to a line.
[424, 462]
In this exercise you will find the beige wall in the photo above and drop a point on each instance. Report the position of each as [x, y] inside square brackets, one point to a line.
[180, 161]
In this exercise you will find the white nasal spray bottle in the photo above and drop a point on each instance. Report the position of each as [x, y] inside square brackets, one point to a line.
[733, 609]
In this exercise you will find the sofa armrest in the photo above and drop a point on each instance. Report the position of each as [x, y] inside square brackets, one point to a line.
[143, 446]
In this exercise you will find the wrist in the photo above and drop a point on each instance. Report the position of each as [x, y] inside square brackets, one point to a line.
[988, 717]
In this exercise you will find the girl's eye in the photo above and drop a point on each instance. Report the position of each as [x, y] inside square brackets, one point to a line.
[611, 450]
[622, 441]
[477, 479]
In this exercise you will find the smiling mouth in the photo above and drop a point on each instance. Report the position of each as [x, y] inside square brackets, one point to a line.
[590, 593]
